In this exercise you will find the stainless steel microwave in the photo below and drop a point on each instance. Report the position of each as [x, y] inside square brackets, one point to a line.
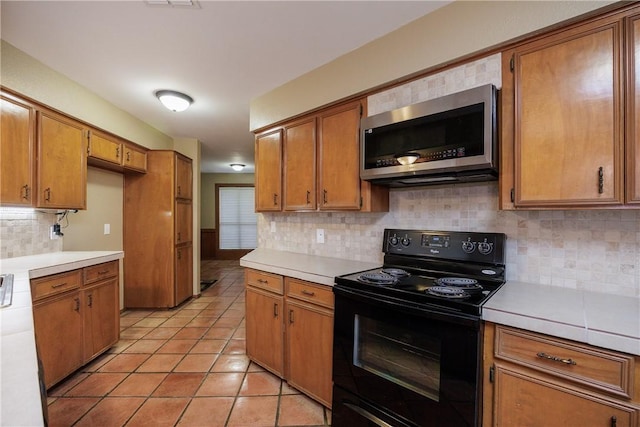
[444, 140]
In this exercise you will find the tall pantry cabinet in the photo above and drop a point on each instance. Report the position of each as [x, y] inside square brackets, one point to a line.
[158, 230]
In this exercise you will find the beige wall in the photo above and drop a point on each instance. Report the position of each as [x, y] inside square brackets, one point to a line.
[208, 193]
[453, 31]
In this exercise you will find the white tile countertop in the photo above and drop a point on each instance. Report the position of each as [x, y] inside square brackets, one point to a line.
[599, 319]
[312, 268]
[20, 403]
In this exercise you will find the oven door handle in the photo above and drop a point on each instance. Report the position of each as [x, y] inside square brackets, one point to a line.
[366, 414]
[389, 303]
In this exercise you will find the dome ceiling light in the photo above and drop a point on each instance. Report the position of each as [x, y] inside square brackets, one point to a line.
[237, 166]
[174, 101]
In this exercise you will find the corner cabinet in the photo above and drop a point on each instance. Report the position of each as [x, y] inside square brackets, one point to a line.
[158, 232]
[536, 380]
[564, 142]
[62, 162]
[289, 326]
[17, 152]
[76, 317]
[313, 164]
[268, 185]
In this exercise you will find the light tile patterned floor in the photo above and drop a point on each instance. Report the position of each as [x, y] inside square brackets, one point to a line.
[186, 367]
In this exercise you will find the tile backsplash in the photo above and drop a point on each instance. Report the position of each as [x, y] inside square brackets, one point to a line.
[26, 232]
[597, 250]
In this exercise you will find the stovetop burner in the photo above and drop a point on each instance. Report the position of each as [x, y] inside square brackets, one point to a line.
[396, 272]
[448, 292]
[378, 278]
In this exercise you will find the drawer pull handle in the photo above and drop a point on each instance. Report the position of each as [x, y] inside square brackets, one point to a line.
[600, 180]
[90, 300]
[291, 317]
[103, 272]
[614, 421]
[275, 310]
[543, 355]
[59, 285]
[263, 281]
[77, 308]
[309, 293]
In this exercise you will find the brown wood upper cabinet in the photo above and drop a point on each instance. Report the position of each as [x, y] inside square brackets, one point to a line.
[17, 152]
[319, 157]
[300, 165]
[135, 158]
[62, 162]
[103, 147]
[633, 110]
[268, 181]
[563, 115]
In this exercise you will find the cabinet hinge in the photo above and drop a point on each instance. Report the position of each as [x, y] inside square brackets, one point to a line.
[492, 373]
[512, 63]
[513, 195]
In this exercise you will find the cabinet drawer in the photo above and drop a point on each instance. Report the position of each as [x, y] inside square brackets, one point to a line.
[55, 284]
[601, 369]
[317, 294]
[268, 281]
[100, 271]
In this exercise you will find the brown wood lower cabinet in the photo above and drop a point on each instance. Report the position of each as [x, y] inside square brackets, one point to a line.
[76, 317]
[289, 327]
[537, 380]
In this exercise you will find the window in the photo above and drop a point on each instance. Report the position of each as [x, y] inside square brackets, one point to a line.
[238, 224]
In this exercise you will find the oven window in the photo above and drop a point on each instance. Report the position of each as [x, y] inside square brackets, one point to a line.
[407, 358]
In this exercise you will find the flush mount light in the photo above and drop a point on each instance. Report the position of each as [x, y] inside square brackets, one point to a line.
[407, 158]
[174, 101]
[237, 166]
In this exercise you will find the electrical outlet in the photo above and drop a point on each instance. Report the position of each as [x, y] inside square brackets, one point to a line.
[320, 235]
[53, 235]
[273, 226]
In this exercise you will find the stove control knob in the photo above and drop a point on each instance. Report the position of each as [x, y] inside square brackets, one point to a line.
[406, 241]
[393, 241]
[485, 248]
[468, 246]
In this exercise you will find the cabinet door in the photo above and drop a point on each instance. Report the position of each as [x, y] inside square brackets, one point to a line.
[568, 107]
[268, 171]
[300, 166]
[104, 147]
[58, 330]
[527, 400]
[184, 178]
[184, 221]
[310, 349]
[101, 317]
[184, 269]
[134, 158]
[17, 155]
[339, 158]
[62, 163]
[264, 329]
[633, 113]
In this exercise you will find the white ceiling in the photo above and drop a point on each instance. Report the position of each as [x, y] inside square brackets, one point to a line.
[221, 53]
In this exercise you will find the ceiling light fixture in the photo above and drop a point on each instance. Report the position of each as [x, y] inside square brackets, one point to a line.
[237, 166]
[174, 101]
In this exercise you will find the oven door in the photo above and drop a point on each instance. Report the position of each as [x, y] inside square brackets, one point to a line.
[395, 364]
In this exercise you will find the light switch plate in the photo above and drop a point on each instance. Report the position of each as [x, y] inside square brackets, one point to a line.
[107, 229]
[320, 235]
